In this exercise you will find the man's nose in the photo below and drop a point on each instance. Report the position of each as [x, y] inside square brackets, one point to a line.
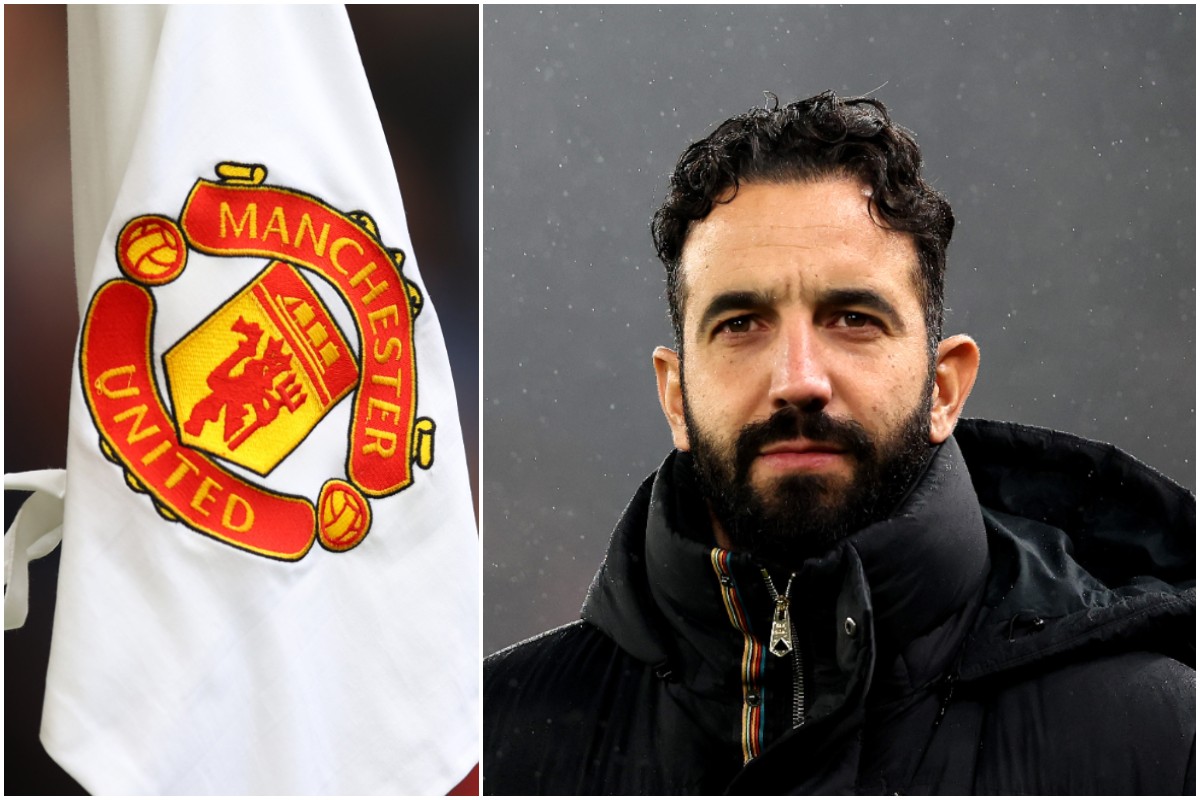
[800, 377]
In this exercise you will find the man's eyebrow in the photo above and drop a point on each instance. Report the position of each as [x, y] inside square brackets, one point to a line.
[742, 300]
[864, 298]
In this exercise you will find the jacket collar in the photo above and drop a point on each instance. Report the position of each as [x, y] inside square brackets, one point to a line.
[658, 593]
[1091, 550]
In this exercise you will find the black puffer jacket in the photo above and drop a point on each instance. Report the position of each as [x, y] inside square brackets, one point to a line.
[1028, 627]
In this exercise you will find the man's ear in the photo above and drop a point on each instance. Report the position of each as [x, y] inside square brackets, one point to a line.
[957, 366]
[670, 394]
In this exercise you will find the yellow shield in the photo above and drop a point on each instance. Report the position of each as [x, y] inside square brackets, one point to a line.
[255, 377]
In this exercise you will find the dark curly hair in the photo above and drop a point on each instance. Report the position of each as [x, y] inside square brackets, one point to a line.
[823, 136]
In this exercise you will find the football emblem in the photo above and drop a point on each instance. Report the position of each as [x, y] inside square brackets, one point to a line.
[345, 515]
[151, 250]
[258, 374]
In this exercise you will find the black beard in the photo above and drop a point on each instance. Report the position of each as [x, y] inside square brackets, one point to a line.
[805, 515]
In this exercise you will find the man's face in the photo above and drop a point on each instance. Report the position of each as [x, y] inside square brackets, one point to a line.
[806, 382]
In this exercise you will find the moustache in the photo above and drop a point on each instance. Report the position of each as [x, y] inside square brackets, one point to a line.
[790, 423]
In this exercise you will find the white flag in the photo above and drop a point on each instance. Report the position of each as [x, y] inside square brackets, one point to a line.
[269, 580]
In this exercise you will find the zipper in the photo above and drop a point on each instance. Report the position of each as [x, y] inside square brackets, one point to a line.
[783, 643]
[754, 659]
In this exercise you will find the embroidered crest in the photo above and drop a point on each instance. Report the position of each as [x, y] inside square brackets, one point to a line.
[255, 377]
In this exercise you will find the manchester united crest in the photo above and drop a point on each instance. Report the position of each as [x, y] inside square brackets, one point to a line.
[253, 379]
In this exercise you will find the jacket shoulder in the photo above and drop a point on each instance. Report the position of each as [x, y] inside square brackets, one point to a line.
[543, 699]
[528, 668]
[572, 713]
[1117, 724]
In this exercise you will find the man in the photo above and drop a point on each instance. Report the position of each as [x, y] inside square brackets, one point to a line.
[832, 585]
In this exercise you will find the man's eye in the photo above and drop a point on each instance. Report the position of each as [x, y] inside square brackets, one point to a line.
[854, 319]
[735, 325]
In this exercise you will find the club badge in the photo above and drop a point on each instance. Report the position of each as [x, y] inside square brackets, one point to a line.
[251, 381]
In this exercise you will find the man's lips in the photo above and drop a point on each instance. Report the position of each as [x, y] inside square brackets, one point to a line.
[800, 455]
[800, 446]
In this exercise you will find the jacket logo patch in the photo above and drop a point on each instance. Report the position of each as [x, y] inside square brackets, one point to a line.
[248, 384]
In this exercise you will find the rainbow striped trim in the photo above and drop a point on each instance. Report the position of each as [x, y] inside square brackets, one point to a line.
[754, 659]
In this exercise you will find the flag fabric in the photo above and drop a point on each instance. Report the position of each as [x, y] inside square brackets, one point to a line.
[269, 580]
